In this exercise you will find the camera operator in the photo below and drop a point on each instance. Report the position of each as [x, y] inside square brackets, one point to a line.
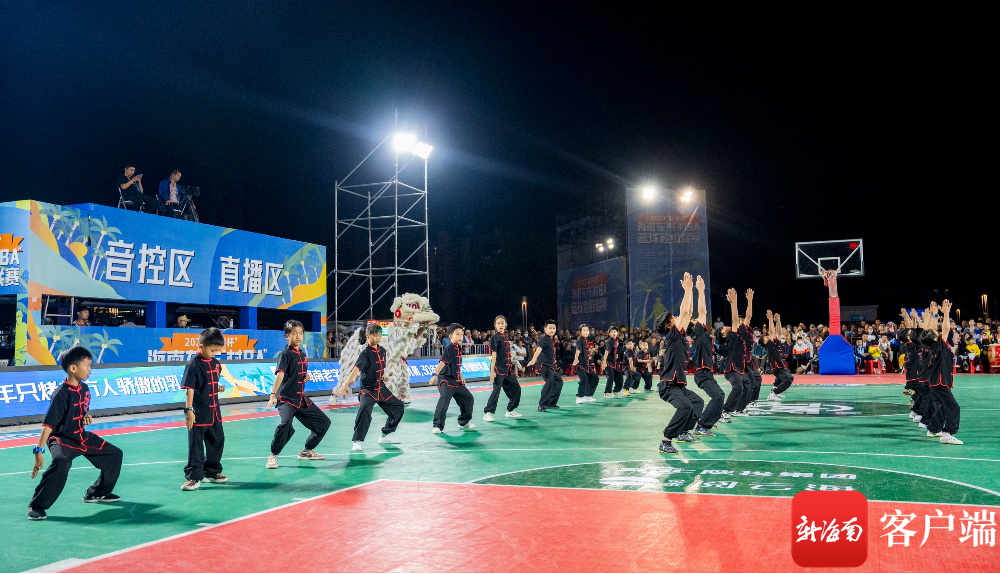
[130, 185]
[171, 194]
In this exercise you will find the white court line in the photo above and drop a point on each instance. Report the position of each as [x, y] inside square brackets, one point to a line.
[58, 566]
[741, 460]
[189, 532]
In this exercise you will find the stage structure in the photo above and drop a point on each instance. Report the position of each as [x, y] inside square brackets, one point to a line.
[390, 217]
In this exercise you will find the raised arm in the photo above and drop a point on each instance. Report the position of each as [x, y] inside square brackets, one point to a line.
[731, 297]
[772, 333]
[684, 318]
[702, 307]
[945, 318]
[746, 319]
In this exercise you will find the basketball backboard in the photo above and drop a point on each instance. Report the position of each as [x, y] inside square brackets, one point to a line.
[847, 256]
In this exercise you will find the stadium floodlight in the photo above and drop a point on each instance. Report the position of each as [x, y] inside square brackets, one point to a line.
[688, 194]
[649, 193]
[404, 142]
[422, 150]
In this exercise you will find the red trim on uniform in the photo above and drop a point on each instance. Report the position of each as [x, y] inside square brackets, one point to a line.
[213, 381]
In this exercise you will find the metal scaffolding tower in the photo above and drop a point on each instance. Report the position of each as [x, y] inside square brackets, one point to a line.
[386, 215]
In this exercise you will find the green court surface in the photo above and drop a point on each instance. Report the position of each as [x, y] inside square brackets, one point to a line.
[819, 438]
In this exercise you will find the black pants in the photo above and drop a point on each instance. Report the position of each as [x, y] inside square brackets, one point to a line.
[140, 201]
[753, 375]
[107, 459]
[510, 387]
[949, 412]
[311, 417]
[588, 384]
[713, 411]
[687, 407]
[918, 398]
[552, 387]
[202, 439]
[631, 380]
[391, 406]
[461, 395]
[734, 402]
[614, 378]
[647, 377]
[782, 380]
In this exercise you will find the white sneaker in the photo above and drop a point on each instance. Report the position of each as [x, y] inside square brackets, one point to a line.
[488, 417]
[608, 395]
[912, 414]
[933, 434]
[618, 394]
[947, 438]
[436, 430]
[725, 418]
[513, 414]
[581, 400]
[272, 461]
[781, 396]
[917, 418]
[921, 425]
[388, 439]
[357, 446]
[467, 426]
[636, 392]
[310, 455]
[590, 399]
[773, 397]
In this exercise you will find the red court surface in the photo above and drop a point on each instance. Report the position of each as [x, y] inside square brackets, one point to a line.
[417, 526]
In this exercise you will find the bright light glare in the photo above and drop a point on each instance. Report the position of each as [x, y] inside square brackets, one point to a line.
[688, 194]
[422, 150]
[648, 193]
[610, 241]
[404, 142]
[600, 247]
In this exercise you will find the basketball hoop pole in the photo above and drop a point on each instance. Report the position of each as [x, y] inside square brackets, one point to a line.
[830, 280]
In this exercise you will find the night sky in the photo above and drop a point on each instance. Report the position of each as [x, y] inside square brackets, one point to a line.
[799, 129]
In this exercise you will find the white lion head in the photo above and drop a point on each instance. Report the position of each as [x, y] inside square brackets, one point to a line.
[410, 308]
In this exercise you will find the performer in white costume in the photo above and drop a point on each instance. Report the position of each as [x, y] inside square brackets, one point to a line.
[411, 316]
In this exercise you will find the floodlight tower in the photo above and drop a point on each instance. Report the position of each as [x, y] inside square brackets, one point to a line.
[372, 219]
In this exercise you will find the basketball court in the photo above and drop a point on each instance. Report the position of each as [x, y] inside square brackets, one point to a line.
[582, 488]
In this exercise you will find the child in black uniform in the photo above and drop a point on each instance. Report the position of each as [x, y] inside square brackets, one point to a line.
[612, 365]
[631, 366]
[201, 412]
[553, 381]
[645, 364]
[702, 349]
[734, 364]
[502, 374]
[289, 394]
[584, 363]
[776, 358]
[64, 435]
[941, 361]
[370, 366]
[673, 374]
[451, 383]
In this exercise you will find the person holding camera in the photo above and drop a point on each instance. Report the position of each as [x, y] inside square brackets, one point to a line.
[130, 185]
[172, 195]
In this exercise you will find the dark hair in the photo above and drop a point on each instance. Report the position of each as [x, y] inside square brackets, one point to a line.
[927, 337]
[81, 309]
[453, 327]
[660, 325]
[582, 325]
[175, 171]
[549, 322]
[612, 328]
[128, 165]
[74, 355]
[373, 328]
[211, 336]
[903, 335]
[498, 318]
[291, 324]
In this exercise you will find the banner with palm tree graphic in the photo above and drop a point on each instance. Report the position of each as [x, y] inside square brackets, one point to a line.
[593, 294]
[667, 236]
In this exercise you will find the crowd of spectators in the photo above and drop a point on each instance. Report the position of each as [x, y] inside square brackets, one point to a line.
[874, 343]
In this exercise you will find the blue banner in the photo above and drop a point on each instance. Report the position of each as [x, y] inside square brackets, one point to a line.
[593, 294]
[28, 393]
[667, 236]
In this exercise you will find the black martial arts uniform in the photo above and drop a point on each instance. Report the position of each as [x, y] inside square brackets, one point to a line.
[371, 364]
[503, 375]
[630, 370]
[293, 404]
[673, 385]
[751, 376]
[586, 369]
[734, 369]
[644, 371]
[69, 440]
[779, 368]
[613, 367]
[701, 356]
[451, 385]
[206, 438]
[553, 381]
[941, 361]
